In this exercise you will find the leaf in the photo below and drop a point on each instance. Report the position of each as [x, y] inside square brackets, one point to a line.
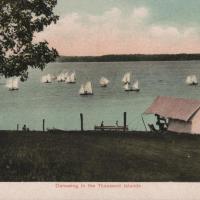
[19, 21]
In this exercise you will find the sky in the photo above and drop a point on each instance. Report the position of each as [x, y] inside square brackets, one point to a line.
[99, 27]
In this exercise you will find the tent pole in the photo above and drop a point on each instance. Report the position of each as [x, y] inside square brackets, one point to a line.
[144, 122]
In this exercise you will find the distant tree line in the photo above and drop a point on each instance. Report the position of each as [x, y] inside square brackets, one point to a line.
[130, 57]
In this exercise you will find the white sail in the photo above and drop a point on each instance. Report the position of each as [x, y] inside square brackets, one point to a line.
[66, 75]
[61, 77]
[71, 78]
[13, 84]
[46, 78]
[104, 81]
[82, 91]
[9, 83]
[126, 86]
[135, 85]
[194, 79]
[188, 80]
[88, 88]
[43, 79]
[58, 78]
[53, 77]
[126, 78]
[68, 79]
[191, 80]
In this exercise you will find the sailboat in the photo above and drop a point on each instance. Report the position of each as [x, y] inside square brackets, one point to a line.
[126, 78]
[46, 79]
[133, 87]
[13, 84]
[66, 75]
[104, 82]
[53, 77]
[86, 89]
[191, 80]
[71, 78]
[127, 83]
[61, 77]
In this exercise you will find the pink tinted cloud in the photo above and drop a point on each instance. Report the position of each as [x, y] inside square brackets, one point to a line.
[115, 33]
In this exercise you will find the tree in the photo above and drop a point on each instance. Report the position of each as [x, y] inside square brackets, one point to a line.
[20, 20]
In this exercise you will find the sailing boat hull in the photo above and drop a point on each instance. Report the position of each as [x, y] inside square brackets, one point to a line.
[86, 94]
[103, 86]
[61, 81]
[136, 90]
[13, 89]
[132, 90]
[126, 83]
[71, 82]
[193, 84]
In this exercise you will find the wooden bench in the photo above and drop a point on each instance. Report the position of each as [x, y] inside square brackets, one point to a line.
[110, 128]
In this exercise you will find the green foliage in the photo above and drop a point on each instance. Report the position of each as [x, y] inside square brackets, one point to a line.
[19, 21]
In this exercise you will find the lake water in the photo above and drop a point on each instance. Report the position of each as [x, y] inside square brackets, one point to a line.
[60, 103]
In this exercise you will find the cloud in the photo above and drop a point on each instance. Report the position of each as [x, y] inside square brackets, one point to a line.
[115, 32]
[159, 31]
[140, 12]
[111, 16]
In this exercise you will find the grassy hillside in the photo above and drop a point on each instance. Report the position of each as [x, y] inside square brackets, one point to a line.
[98, 157]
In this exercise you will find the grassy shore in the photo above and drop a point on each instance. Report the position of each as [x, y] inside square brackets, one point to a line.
[92, 156]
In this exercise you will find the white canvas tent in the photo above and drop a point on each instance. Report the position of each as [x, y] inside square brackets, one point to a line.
[183, 114]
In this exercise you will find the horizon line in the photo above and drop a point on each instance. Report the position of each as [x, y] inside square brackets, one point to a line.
[150, 54]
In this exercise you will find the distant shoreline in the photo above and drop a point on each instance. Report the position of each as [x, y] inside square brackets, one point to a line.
[130, 58]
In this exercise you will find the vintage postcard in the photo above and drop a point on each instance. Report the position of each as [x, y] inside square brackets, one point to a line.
[99, 99]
